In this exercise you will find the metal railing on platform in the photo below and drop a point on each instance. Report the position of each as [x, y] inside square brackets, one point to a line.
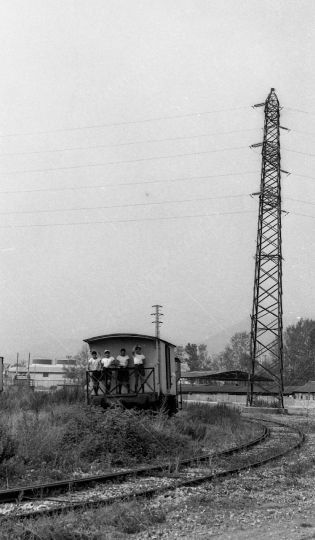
[120, 382]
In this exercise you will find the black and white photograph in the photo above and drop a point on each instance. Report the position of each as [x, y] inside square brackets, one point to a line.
[157, 261]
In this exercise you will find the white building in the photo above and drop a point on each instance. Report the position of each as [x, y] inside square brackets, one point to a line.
[44, 373]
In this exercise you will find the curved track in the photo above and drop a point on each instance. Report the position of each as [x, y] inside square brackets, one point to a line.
[273, 443]
[69, 484]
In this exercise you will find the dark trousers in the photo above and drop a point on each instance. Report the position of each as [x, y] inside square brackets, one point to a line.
[123, 379]
[139, 372]
[96, 376]
[107, 378]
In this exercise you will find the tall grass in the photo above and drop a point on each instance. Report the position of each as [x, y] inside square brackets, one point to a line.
[47, 437]
[215, 426]
[212, 414]
[60, 439]
[52, 438]
[105, 523]
[26, 399]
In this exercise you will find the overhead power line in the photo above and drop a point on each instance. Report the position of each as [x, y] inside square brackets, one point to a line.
[295, 200]
[304, 215]
[297, 110]
[125, 144]
[138, 220]
[120, 162]
[304, 176]
[299, 200]
[298, 152]
[299, 131]
[123, 205]
[124, 220]
[145, 120]
[287, 150]
[131, 184]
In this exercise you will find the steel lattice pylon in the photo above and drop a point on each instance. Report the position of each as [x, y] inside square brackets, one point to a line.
[266, 320]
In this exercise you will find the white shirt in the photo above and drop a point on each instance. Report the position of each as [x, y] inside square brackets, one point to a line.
[138, 358]
[94, 364]
[122, 360]
[107, 362]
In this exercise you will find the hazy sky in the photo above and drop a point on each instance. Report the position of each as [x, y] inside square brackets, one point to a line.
[94, 227]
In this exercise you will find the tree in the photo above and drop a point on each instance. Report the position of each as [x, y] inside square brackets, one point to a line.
[204, 358]
[236, 354]
[181, 354]
[77, 373]
[216, 362]
[299, 352]
[192, 357]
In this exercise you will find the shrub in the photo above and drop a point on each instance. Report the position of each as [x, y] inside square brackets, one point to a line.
[66, 438]
[212, 414]
[49, 439]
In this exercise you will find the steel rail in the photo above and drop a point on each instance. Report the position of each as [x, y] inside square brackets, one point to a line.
[21, 492]
[158, 490]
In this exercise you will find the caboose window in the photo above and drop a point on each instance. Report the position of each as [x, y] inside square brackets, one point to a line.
[45, 374]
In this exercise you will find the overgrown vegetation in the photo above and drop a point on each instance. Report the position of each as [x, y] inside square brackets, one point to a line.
[116, 521]
[50, 436]
[215, 426]
[23, 399]
[45, 437]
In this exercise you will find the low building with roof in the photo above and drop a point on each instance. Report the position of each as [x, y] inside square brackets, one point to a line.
[207, 377]
[42, 374]
[231, 386]
[306, 391]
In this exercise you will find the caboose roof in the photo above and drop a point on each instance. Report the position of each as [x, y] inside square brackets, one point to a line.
[136, 336]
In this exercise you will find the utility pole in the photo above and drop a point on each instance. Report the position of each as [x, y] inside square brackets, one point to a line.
[17, 365]
[28, 366]
[266, 320]
[157, 320]
[158, 323]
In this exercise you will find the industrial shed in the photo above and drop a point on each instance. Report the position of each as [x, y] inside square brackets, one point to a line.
[238, 394]
[306, 391]
[207, 377]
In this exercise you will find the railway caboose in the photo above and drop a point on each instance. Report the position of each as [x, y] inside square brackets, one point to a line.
[156, 385]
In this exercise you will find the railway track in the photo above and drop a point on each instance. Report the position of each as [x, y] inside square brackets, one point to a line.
[275, 440]
[71, 484]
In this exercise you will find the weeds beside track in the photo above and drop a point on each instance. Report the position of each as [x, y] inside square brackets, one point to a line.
[214, 466]
[19, 493]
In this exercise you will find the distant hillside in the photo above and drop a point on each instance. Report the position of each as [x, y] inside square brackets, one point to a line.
[218, 342]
